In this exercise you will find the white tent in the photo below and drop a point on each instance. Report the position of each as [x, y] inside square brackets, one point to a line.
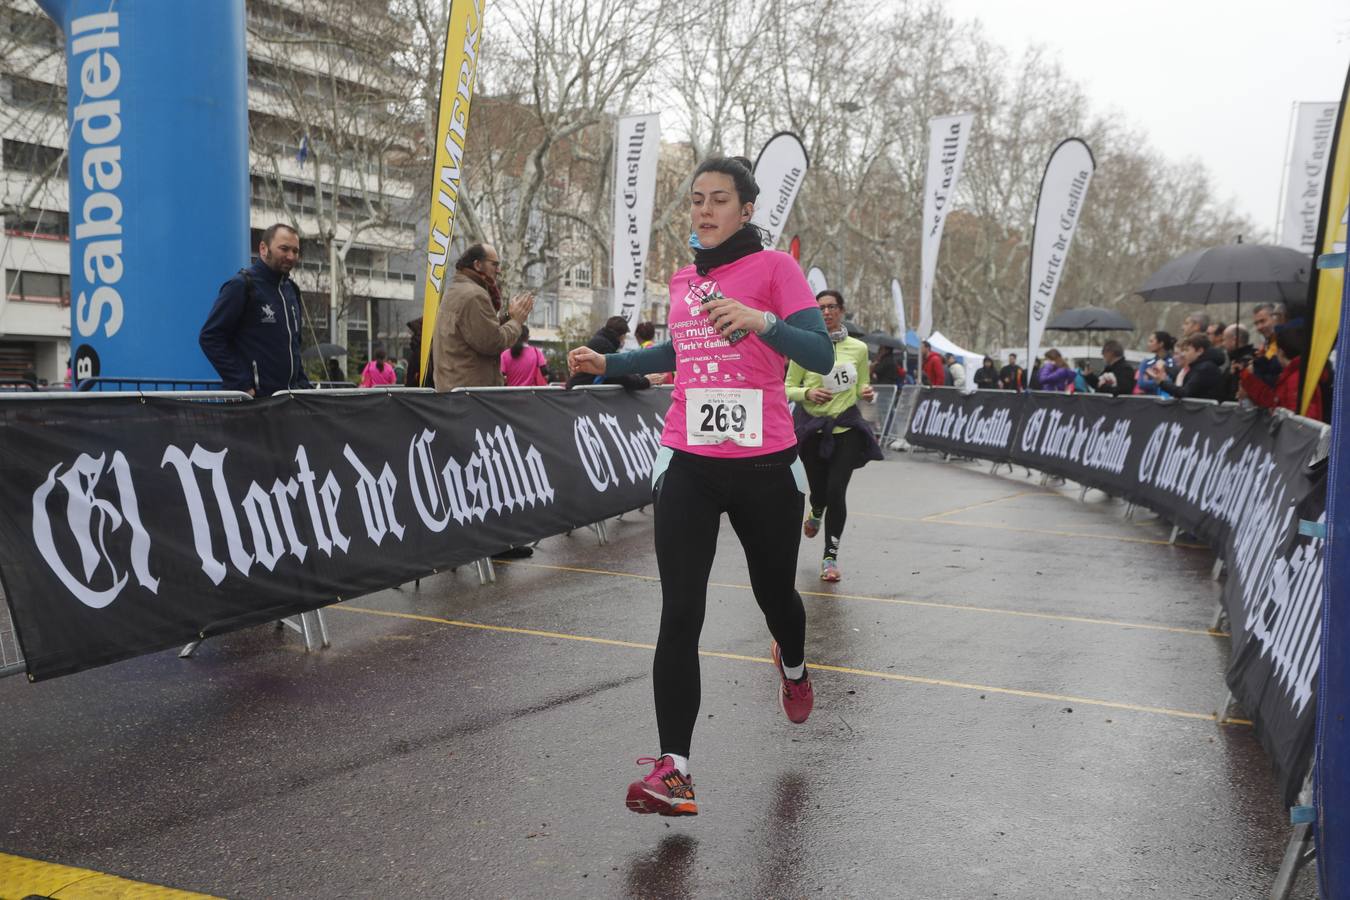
[969, 359]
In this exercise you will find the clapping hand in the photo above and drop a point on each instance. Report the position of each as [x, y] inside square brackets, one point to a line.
[520, 307]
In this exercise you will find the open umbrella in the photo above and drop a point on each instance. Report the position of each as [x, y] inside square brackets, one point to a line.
[880, 339]
[326, 351]
[1090, 318]
[854, 329]
[1234, 273]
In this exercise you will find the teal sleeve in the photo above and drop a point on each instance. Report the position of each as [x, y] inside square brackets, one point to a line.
[647, 361]
[802, 338]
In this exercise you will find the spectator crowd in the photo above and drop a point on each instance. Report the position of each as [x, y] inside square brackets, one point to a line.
[1208, 361]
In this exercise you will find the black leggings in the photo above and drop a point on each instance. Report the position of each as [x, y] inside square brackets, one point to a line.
[829, 480]
[761, 499]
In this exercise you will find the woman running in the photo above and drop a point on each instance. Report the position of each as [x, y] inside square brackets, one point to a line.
[728, 447]
[832, 436]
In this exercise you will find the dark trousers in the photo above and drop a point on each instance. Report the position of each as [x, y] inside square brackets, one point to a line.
[762, 502]
[829, 480]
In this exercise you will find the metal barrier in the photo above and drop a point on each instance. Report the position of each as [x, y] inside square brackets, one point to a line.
[878, 412]
[11, 657]
[905, 401]
[137, 383]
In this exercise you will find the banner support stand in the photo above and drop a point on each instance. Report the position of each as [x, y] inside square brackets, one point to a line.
[1220, 617]
[1221, 714]
[299, 624]
[1300, 850]
[487, 573]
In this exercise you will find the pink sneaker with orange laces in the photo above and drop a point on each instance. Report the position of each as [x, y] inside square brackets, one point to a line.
[796, 697]
[664, 791]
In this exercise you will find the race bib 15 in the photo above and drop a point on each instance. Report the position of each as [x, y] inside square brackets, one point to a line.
[843, 377]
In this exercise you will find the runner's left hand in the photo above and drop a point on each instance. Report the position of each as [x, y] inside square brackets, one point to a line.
[727, 314]
[868, 394]
[585, 360]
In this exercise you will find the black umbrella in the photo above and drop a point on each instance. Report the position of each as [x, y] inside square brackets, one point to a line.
[879, 339]
[1234, 273]
[326, 351]
[1090, 318]
[854, 329]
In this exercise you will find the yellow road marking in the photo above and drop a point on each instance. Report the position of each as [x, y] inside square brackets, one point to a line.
[23, 877]
[845, 670]
[836, 595]
[1158, 542]
[951, 512]
[506, 629]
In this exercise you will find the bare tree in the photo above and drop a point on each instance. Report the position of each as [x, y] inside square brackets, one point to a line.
[334, 130]
[859, 81]
[539, 158]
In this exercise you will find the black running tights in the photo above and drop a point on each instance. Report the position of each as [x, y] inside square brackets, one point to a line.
[762, 502]
[829, 480]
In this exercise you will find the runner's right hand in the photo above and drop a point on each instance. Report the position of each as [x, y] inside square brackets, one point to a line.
[585, 360]
[818, 395]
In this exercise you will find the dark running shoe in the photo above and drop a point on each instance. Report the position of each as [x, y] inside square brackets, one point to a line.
[664, 791]
[796, 697]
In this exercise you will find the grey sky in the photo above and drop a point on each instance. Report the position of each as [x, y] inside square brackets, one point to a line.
[1208, 80]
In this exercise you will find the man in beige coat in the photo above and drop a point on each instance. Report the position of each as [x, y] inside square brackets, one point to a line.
[471, 333]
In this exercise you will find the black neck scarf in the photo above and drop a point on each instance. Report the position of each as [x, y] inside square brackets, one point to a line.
[742, 243]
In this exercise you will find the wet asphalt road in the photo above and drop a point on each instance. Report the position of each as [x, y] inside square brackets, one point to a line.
[1016, 710]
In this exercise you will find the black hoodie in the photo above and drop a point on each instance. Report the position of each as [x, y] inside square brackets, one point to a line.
[1204, 381]
[605, 341]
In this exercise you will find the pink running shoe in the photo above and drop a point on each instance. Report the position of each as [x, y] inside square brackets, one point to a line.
[664, 791]
[796, 697]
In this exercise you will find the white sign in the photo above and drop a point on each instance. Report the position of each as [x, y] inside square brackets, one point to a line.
[1309, 158]
[779, 172]
[816, 278]
[947, 137]
[636, 147]
[899, 303]
[1063, 188]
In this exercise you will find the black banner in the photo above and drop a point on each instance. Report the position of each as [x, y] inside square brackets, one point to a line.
[980, 424]
[134, 525]
[1239, 479]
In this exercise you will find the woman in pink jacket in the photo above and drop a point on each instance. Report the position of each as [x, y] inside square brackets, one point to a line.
[378, 372]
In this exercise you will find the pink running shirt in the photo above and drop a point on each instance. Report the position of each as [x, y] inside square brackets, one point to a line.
[770, 281]
[523, 370]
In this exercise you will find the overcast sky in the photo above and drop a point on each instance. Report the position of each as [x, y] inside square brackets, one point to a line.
[1204, 79]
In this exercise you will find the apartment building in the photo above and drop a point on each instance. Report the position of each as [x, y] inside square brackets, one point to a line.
[349, 192]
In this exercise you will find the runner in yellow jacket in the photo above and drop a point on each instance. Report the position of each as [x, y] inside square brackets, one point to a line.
[832, 437]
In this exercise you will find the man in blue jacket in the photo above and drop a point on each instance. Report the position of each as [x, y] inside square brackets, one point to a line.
[252, 335]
